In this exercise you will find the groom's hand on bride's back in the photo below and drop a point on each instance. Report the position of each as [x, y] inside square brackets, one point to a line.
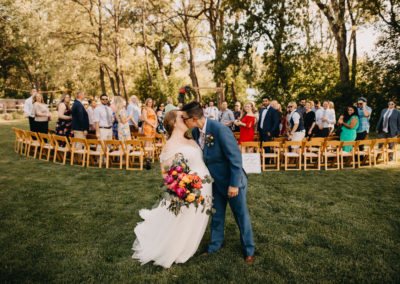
[233, 191]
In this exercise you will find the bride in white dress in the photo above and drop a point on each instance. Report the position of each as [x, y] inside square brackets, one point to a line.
[164, 237]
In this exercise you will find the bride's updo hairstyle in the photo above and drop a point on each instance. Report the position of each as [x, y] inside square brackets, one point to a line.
[169, 121]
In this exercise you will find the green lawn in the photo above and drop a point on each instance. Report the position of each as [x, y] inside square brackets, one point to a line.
[68, 224]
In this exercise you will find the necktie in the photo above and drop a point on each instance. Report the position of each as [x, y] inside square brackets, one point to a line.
[386, 120]
[202, 140]
[108, 116]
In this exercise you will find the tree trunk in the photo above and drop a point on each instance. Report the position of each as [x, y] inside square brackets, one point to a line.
[124, 87]
[102, 81]
[234, 92]
[145, 51]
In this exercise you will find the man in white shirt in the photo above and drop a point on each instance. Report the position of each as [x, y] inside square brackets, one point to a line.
[103, 119]
[28, 106]
[325, 119]
[90, 111]
[134, 111]
[211, 112]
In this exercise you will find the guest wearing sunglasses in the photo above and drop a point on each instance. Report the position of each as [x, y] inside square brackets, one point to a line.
[388, 125]
[364, 114]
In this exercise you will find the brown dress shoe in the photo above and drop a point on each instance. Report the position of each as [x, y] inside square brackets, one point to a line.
[205, 253]
[249, 259]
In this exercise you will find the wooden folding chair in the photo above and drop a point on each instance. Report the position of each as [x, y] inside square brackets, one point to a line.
[292, 155]
[47, 145]
[256, 136]
[61, 149]
[331, 150]
[18, 140]
[95, 148]
[79, 147]
[25, 142]
[136, 135]
[392, 151]
[273, 156]
[350, 155]
[312, 153]
[330, 138]
[33, 142]
[364, 155]
[114, 149]
[379, 151]
[149, 147]
[159, 142]
[134, 149]
[250, 147]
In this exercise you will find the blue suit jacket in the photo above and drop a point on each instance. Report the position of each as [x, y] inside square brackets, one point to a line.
[223, 159]
[270, 123]
[80, 118]
[394, 122]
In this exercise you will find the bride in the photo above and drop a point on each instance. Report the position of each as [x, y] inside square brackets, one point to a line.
[163, 237]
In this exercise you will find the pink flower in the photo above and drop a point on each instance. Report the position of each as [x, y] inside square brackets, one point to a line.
[168, 179]
[181, 192]
[173, 185]
[179, 169]
[171, 170]
[180, 176]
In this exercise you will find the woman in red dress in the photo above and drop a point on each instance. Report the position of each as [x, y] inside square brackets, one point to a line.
[246, 124]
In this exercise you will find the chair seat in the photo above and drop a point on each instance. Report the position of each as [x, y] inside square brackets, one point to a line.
[362, 153]
[80, 151]
[96, 152]
[135, 153]
[148, 148]
[330, 154]
[270, 155]
[159, 144]
[347, 154]
[35, 143]
[115, 153]
[311, 154]
[48, 146]
[292, 154]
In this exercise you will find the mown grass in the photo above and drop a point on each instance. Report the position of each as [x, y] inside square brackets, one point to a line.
[68, 224]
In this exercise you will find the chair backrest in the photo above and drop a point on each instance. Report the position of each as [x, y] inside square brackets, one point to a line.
[329, 138]
[280, 139]
[318, 139]
[392, 140]
[380, 142]
[93, 145]
[136, 135]
[368, 143]
[331, 145]
[313, 144]
[255, 146]
[160, 138]
[133, 145]
[60, 141]
[349, 143]
[46, 139]
[74, 141]
[288, 144]
[276, 145]
[32, 136]
[113, 145]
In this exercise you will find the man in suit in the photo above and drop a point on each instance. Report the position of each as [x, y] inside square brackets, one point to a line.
[388, 125]
[80, 118]
[224, 161]
[268, 123]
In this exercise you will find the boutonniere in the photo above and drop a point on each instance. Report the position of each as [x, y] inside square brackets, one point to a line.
[209, 141]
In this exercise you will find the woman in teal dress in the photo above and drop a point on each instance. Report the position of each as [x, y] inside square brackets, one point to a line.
[349, 123]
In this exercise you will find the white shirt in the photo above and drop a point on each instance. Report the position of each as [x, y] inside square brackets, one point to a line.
[386, 117]
[264, 113]
[328, 114]
[103, 115]
[90, 112]
[211, 112]
[295, 116]
[28, 107]
[203, 131]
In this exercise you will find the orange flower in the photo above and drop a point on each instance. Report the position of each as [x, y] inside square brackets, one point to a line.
[174, 173]
[201, 198]
[191, 197]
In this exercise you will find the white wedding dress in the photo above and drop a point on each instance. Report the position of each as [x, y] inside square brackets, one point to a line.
[164, 237]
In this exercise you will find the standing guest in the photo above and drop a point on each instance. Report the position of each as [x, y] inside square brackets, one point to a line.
[211, 112]
[80, 118]
[204, 108]
[170, 106]
[309, 120]
[296, 124]
[41, 113]
[133, 112]
[28, 106]
[226, 116]
[332, 108]
[64, 123]
[388, 125]
[325, 119]
[115, 121]
[256, 115]
[103, 119]
[301, 109]
[237, 114]
[284, 123]
[160, 119]
[364, 114]
[268, 122]
[277, 106]
[124, 132]
[149, 118]
[317, 106]
[246, 124]
[90, 112]
[349, 124]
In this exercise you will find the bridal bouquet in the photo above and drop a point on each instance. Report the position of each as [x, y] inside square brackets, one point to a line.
[182, 188]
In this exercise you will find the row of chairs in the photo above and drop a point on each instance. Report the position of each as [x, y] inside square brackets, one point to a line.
[318, 152]
[89, 152]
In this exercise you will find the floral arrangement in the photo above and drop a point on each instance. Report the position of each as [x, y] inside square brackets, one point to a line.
[209, 140]
[182, 188]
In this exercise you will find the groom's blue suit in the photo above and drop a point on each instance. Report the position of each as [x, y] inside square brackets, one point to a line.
[224, 162]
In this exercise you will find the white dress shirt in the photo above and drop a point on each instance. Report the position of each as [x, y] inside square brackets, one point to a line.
[90, 112]
[264, 113]
[203, 133]
[211, 112]
[328, 114]
[385, 122]
[28, 107]
[103, 115]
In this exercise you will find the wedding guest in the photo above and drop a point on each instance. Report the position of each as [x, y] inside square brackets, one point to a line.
[364, 114]
[149, 118]
[277, 106]
[268, 122]
[64, 123]
[317, 106]
[237, 113]
[225, 115]
[388, 125]
[309, 120]
[28, 106]
[133, 112]
[41, 113]
[211, 112]
[124, 132]
[170, 106]
[90, 112]
[296, 125]
[103, 119]
[256, 115]
[80, 118]
[301, 109]
[349, 124]
[325, 119]
[332, 108]
[246, 124]
[160, 119]
[114, 121]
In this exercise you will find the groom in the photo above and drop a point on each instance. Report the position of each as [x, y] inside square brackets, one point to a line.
[224, 161]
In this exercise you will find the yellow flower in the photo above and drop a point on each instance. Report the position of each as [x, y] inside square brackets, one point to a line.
[187, 191]
[186, 179]
[191, 197]
[174, 173]
[182, 184]
[163, 172]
